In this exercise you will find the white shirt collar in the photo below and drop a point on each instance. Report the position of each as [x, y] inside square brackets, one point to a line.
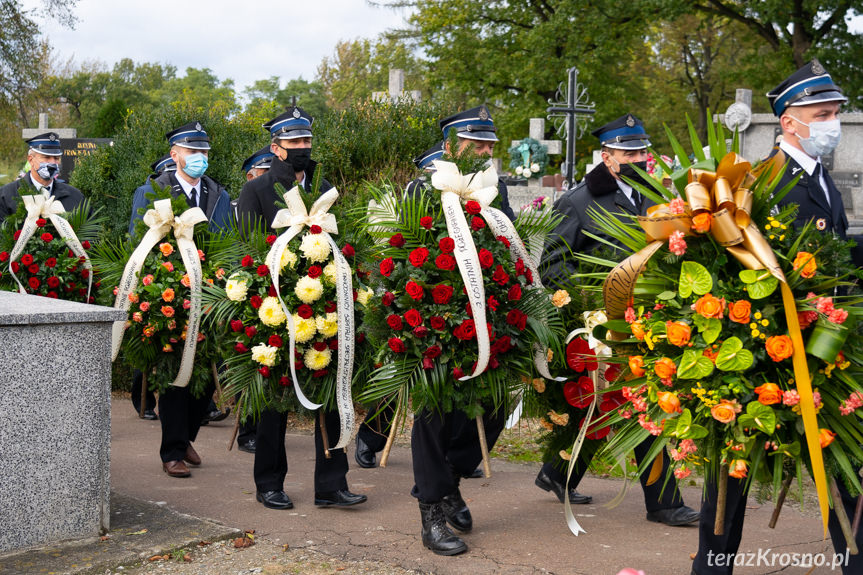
[187, 187]
[806, 161]
[626, 189]
[46, 190]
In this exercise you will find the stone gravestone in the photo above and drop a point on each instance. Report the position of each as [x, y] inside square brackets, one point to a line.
[522, 192]
[55, 419]
[396, 89]
[73, 148]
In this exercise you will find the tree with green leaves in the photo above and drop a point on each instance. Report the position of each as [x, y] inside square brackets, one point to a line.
[308, 95]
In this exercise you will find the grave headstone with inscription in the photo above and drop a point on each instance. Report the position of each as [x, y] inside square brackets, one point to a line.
[522, 192]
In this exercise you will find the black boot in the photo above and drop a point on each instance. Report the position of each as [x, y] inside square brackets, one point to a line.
[435, 533]
[456, 512]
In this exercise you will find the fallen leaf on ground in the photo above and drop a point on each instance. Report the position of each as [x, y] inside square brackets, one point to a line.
[141, 532]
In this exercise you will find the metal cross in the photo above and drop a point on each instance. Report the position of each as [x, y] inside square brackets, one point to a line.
[565, 115]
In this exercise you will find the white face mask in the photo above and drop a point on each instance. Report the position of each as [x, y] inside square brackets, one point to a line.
[823, 137]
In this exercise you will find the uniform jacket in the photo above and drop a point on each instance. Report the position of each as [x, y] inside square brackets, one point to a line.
[598, 189]
[257, 201]
[213, 200]
[64, 193]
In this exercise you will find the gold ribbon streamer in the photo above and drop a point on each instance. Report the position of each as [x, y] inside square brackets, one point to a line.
[726, 195]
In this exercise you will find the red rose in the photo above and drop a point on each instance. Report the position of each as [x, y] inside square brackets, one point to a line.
[348, 251]
[466, 330]
[437, 322]
[271, 291]
[473, 207]
[519, 267]
[4, 256]
[513, 316]
[442, 293]
[486, 259]
[15, 267]
[426, 222]
[239, 347]
[85, 273]
[285, 381]
[251, 331]
[40, 223]
[356, 295]
[53, 282]
[493, 303]
[397, 241]
[271, 239]
[468, 309]
[315, 272]
[446, 245]
[236, 325]
[457, 373]
[320, 373]
[394, 321]
[85, 244]
[501, 345]
[414, 290]
[579, 394]
[50, 262]
[26, 260]
[503, 240]
[305, 311]
[247, 262]
[34, 283]
[387, 266]
[255, 301]
[413, 317]
[421, 331]
[428, 363]
[433, 351]
[330, 307]
[418, 257]
[388, 298]
[514, 293]
[275, 341]
[500, 275]
[264, 370]
[529, 276]
[315, 229]
[477, 223]
[263, 270]
[33, 268]
[334, 343]
[445, 262]
[46, 237]
[396, 344]
[16, 235]
[319, 346]
[53, 295]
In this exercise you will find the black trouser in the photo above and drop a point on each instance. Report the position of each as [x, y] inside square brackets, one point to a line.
[375, 427]
[657, 495]
[445, 447]
[180, 415]
[137, 381]
[248, 430]
[271, 460]
[711, 547]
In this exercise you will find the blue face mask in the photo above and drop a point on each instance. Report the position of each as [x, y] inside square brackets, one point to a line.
[823, 137]
[196, 165]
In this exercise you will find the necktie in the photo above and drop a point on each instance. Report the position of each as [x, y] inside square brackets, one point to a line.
[816, 175]
[636, 197]
[194, 197]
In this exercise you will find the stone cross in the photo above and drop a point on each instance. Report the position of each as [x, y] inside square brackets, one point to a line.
[64, 133]
[537, 132]
[396, 89]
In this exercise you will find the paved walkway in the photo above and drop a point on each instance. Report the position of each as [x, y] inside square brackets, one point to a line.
[517, 527]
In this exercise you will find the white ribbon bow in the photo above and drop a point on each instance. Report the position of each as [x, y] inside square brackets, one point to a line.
[295, 218]
[160, 220]
[38, 206]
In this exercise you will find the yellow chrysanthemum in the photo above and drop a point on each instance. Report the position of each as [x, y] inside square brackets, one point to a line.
[304, 329]
[289, 259]
[236, 288]
[328, 325]
[330, 272]
[315, 247]
[309, 289]
[315, 359]
[264, 354]
[364, 295]
[271, 312]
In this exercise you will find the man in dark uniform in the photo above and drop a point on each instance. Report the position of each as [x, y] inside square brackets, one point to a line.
[807, 105]
[624, 143]
[291, 145]
[43, 158]
[180, 413]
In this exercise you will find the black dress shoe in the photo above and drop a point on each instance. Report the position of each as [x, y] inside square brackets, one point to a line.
[215, 415]
[341, 498]
[249, 447]
[674, 517]
[150, 414]
[435, 533]
[275, 499]
[456, 512]
[364, 454]
[477, 474]
[546, 483]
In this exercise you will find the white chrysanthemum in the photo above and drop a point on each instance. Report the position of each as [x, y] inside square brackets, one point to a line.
[264, 354]
[304, 329]
[328, 325]
[309, 289]
[364, 295]
[271, 312]
[316, 360]
[330, 272]
[236, 288]
[315, 247]
[289, 259]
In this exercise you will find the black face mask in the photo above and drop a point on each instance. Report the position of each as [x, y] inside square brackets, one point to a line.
[298, 158]
[626, 170]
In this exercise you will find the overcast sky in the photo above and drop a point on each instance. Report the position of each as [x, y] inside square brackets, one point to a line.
[245, 40]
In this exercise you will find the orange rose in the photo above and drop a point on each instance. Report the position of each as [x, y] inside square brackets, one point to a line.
[637, 330]
[669, 402]
[701, 222]
[636, 365]
[664, 368]
[166, 249]
[807, 262]
[768, 394]
[710, 307]
[739, 311]
[678, 333]
[168, 294]
[710, 354]
[738, 469]
[825, 437]
[779, 347]
[725, 411]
